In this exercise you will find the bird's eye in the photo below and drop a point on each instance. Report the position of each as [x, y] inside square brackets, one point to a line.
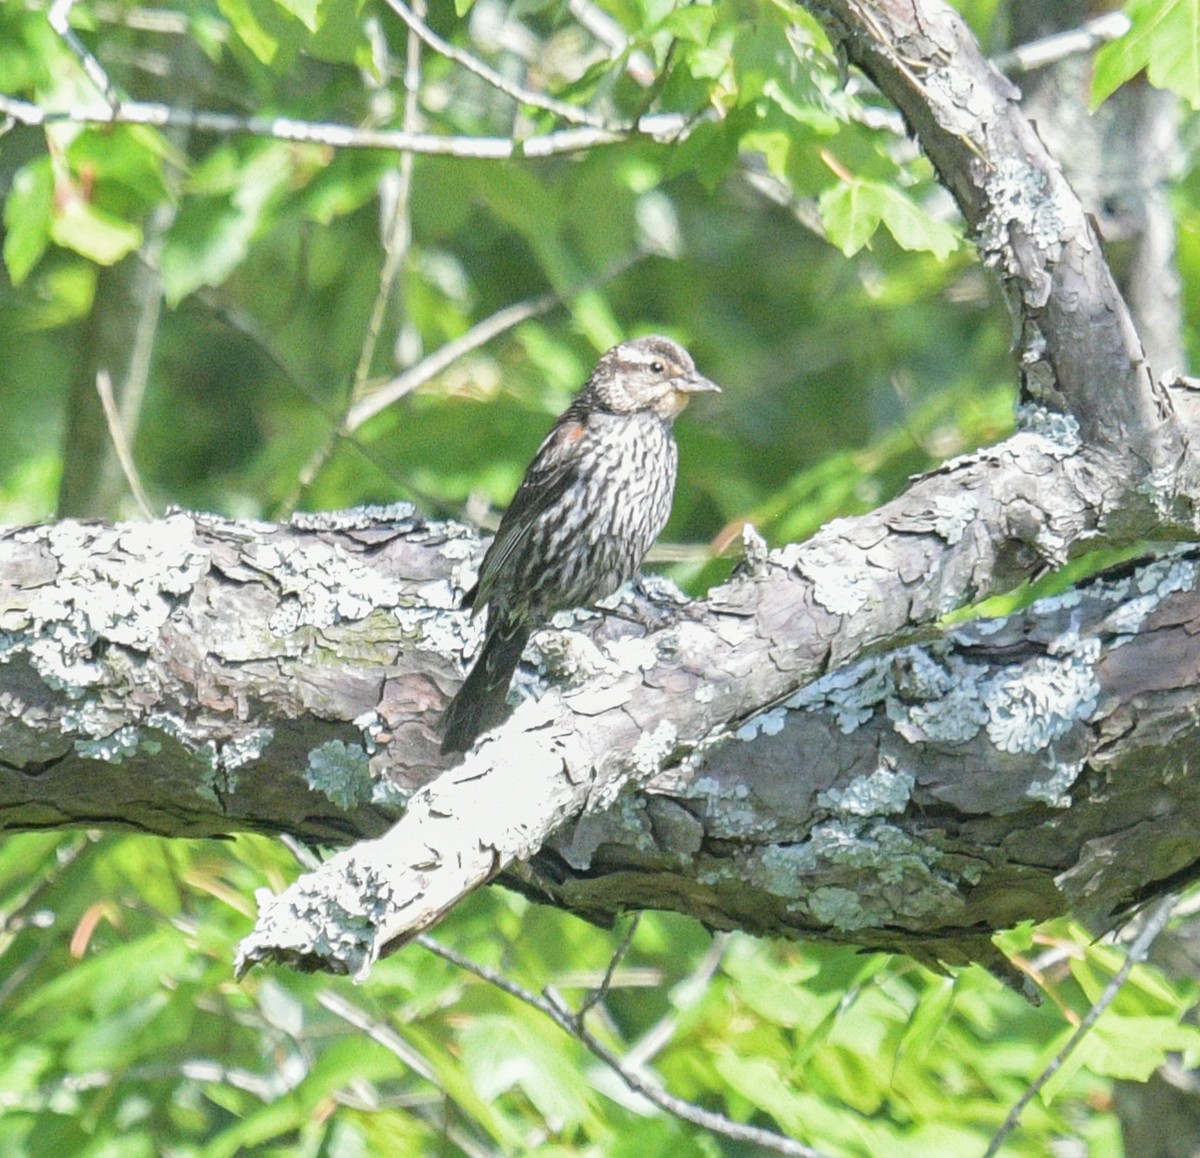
[656, 367]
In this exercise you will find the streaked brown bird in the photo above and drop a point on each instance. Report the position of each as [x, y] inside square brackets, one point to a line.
[594, 499]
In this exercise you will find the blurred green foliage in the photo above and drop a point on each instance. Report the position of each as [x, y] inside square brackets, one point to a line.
[802, 250]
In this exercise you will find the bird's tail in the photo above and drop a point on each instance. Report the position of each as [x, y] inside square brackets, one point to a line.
[480, 702]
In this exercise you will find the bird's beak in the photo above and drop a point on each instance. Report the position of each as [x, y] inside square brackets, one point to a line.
[696, 384]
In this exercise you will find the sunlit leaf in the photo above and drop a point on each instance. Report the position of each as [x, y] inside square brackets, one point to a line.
[1164, 39]
[306, 11]
[250, 28]
[692, 22]
[27, 218]
[852, 211]
[96, 235]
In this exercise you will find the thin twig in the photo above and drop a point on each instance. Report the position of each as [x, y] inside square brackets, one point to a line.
[685, 1110]
[244, 323]
[116, 431]
[1155, 923]
[59, 19]
[569, 1022]
[379, 1033]
[479, 334]
[661, 127]
[147, 291]
[444, 356]
[609, 33]
[160, 21]
[601, 991]
[655, 1039]
[573, 114]
[1074, 42]
[390, 1040]
[397, 238]
[397, 231]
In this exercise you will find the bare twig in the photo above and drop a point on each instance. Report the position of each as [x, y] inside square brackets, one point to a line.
[655, 1039]
[390, 1040]
[160, 21]
[601, 991]
[379, 1033]
[479, 334]
[679, 1107]
[608, 32]
[1050, 49]
[661, 127]
[22, 913]
[397, 231]
[1155, 923]
[446, 355]
[397, 238]
[116, 431]
[59, 18]
[570, 1022]
[573, 114]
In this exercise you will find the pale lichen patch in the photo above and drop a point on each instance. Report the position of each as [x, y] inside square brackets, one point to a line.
[841, 908]
[112, 583]
[890, 874]
[340, 772]
[937, 698]
[1020, 195]
[883, 792]
[1137, 597]
[952, 514]
[769, 723]
[1034, 703]
[851, 693]
[728, 810]
[1053, 790]
[241, 750]
[112, 749]
[841, 588]
[322, 585]
[632, 653]
[1056, 433]
[652, 748]
[361, 518]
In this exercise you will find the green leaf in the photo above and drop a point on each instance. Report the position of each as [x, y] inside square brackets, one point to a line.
[1125, 1048]
[1164, 39]
[96, 235]
[126, 156]
[65, 292]
[340, 37]
[691, 22]
[211, 236]
[913, 228]
[208, 240]
[303, 10]
[931, 1014]
[853, 210]
[250, 28]
[27, 214]
[499, 1054]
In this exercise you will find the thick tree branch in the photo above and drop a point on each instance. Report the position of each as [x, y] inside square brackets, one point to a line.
[1078, 348]
[913, 799]
[296, 674]
[867, 581]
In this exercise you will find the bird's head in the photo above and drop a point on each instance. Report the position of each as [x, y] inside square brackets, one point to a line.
[649, 373]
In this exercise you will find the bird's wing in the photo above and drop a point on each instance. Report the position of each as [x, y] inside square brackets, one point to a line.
[553, 469]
